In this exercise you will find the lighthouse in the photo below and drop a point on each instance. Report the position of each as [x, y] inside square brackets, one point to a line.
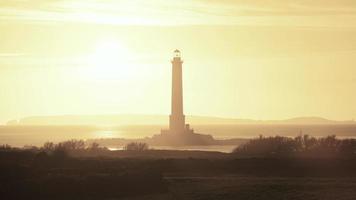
[178, 132]
[177, 119]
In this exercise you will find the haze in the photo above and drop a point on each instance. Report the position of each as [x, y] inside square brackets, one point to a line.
[243, 59]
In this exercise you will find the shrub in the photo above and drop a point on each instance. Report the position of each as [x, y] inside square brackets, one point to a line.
[96, 147]
[306, 145]
[71, 145]
[48, 147]
[5, 147]
[136, 146]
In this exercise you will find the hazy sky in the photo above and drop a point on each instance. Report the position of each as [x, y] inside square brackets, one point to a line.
[270, 59]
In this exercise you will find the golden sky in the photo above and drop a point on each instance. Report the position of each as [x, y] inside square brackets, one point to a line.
[271, 59]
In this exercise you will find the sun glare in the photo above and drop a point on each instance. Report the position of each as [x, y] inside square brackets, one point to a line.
[109, 61]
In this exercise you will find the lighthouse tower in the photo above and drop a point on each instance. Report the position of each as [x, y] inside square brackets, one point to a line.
[179, 133]
[177, 119]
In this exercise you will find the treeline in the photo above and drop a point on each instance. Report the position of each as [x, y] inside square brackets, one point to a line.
[303, 145]
[50, 146]
[70, 146]
[61, 149]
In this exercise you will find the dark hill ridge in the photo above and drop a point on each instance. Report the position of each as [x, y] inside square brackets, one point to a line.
[127, 119]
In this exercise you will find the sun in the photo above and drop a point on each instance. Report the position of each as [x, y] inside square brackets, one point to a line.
[108, 61]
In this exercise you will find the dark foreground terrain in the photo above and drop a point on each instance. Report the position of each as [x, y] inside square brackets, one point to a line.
[39, 175]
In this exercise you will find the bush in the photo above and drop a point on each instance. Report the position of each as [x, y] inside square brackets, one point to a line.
[136, 146]
[95, 147]
[306, 145]
[71, 145]
[48, 147]
[5, 147]
[270, 145]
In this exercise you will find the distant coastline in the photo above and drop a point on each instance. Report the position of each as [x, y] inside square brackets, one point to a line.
[138, 119]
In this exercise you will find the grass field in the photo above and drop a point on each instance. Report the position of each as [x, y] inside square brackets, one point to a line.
[257, 188]
[168, 175]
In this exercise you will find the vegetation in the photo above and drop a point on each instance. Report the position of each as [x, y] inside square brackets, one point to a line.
[301, 145]
[5, 147]
[49, 172]
[136, 146]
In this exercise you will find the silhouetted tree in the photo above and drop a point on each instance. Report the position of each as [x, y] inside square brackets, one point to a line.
[136, 146]
[71, 145]
[309, 142]
[5, 147]
[328, 144]
[307, 145]
[94, 146]
[48, 146]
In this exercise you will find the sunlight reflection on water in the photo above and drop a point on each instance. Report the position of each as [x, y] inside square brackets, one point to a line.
[220, 148]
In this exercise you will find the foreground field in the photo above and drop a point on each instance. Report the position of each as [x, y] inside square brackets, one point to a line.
[169, 175]
[256, 188]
